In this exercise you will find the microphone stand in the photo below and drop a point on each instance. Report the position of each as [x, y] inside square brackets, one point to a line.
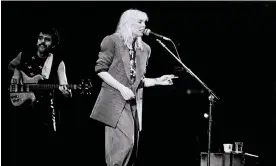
[211, 98]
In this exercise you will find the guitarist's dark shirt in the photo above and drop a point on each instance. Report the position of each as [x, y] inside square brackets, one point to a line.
[32, 65]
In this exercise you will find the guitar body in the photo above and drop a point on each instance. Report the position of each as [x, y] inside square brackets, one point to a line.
[31, 80]
[19, 94]
[18, 99]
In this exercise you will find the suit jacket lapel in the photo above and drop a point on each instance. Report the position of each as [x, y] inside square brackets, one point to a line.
[140, 66]
[126, 60]
[141, 58]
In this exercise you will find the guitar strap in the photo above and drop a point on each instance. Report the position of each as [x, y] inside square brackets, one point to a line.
[46, 70]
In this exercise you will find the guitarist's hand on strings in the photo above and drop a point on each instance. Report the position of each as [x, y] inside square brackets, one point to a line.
[16, 78]
[65, 90]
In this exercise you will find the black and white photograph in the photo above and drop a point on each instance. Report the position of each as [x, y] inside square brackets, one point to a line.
[138, 83]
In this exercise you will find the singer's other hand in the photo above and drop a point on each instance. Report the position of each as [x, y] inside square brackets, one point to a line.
[165, 80]
[126, 93]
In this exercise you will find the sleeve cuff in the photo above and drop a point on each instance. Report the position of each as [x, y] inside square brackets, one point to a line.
[101, 70]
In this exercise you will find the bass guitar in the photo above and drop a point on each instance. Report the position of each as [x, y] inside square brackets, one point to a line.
[20, 93]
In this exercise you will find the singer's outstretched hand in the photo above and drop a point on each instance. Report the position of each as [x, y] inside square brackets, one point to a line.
[165, 80]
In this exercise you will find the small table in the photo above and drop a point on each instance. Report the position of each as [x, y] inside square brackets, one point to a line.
[223, 159]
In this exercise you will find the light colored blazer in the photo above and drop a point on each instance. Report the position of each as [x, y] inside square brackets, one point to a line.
[114, 58]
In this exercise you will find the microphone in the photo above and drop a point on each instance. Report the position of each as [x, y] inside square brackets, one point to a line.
[148, 31]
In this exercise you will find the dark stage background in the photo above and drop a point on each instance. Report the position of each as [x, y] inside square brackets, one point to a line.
[226, 44]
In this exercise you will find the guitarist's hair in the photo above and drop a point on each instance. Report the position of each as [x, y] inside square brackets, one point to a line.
[53, 32]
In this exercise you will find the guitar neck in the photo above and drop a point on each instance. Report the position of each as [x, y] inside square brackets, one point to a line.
[48, 86]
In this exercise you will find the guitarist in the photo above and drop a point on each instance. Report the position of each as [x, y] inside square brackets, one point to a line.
[38, 123]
